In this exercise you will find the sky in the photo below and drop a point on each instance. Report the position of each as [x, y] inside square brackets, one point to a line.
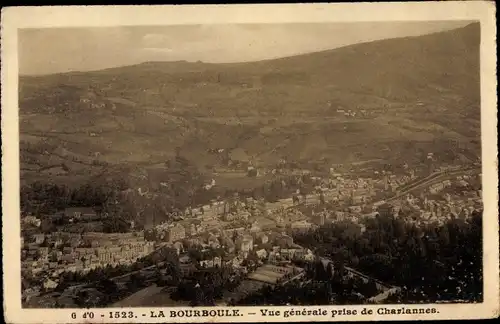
[57, 50]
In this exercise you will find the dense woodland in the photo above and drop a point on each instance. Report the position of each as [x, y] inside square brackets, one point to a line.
[204, 287]
[435, 262]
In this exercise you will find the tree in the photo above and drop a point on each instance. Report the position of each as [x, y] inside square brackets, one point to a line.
[322, 198]
[194, 254]
[252, 173]
[116, 225]
[62, 286]
[329, 270]
[107, 287]
[234, 236]
[136, 282]
[320, 273]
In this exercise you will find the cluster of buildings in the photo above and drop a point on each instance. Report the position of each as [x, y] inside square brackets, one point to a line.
[47, 256]
[350, 113]
[441, 201]
[242, 251]
[30, 220]
[215, 225]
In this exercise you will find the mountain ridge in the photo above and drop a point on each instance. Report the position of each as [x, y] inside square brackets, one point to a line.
[420, 89]
[471, 27]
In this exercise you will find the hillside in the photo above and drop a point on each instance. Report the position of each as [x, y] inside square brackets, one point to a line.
[409, 95]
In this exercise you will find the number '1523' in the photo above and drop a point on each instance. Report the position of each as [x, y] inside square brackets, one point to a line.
[121, 315]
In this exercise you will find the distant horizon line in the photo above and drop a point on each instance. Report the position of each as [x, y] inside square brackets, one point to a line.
[239, 62]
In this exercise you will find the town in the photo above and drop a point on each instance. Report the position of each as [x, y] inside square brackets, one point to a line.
[254, 244]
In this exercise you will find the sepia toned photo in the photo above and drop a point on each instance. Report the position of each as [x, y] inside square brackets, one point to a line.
[261, 171]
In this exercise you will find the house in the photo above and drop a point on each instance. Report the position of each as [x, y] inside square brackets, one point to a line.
[178, 247]
[319, 219]
[67, 250]
[235, 262]
[273, 256]
[284, 240]
[355, 209]
[287, 254]
[301, 225]
[32, 220]
[207, 263]
[385, 209]
[211, 263]
[95, 244]
[53, 265]
[214, 243]
[39, 238]
[228, 244]
[326, 263]
[230, 231]
[56, 242]
[75, 241]
[175, 233]
[263, 223]
[190, 229]
[185, 259]
[262, 238]
[43, 252]
[80, 213]
[262, 254]
[217, 262]
[30, 293]
[209, 225]
[245, 243]
[309, 256]
[68, 258]
[244, 215]
[229, 217]
[255, 228]
[49, 284]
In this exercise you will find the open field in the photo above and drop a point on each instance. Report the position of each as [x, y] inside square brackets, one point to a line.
[152, 296]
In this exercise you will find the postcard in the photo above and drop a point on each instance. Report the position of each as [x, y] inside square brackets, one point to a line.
[250, 163]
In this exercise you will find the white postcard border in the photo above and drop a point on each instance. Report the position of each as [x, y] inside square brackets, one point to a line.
[36, 17]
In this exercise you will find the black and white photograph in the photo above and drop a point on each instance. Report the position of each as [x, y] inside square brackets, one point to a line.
[235, 165]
